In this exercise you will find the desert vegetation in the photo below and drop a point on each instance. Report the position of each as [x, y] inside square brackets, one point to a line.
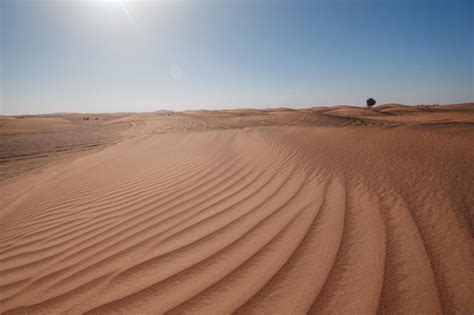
[370, 102]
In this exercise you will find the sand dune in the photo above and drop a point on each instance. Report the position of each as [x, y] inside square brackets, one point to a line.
[322, 210]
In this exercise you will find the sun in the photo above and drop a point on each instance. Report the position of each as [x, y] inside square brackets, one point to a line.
[123, 5]
[119, 2]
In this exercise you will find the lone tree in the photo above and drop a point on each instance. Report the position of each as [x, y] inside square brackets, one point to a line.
[370, 102]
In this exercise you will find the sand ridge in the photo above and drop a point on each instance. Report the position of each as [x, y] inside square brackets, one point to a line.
[322, 210]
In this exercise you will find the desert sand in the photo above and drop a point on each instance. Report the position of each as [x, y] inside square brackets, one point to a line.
[322, 210]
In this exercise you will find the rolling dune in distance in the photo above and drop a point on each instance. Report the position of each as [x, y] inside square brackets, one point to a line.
[279, 211]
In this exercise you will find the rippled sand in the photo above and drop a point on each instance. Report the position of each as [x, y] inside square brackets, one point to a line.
[323, 210]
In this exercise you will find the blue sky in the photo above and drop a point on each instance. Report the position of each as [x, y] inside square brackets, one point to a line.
[110, 56]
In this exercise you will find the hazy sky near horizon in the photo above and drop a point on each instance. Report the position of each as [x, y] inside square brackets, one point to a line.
[110, 56]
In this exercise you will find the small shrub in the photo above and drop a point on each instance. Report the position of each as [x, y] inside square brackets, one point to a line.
[370, 102]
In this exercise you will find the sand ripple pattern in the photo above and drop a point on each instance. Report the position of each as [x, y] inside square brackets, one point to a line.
[216, 222]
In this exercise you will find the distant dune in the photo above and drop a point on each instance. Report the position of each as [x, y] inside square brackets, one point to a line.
[335, 210]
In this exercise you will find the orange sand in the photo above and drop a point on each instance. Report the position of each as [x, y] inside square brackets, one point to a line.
[322, 210]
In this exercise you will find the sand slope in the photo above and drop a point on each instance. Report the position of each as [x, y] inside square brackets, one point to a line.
[338, 210]
[29, 143]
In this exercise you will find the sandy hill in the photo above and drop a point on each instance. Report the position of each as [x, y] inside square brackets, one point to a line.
[324, 210]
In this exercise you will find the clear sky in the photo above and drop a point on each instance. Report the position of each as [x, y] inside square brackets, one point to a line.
[109, 56]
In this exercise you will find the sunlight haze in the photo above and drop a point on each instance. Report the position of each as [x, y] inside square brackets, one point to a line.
[112, 56]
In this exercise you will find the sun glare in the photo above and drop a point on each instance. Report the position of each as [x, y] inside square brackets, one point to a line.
[125, 9]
